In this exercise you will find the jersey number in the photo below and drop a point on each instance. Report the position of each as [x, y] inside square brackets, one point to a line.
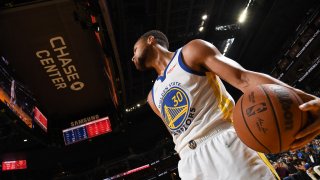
[177, 98]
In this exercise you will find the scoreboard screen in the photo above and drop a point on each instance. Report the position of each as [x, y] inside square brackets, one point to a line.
[14, 165]
[40, 119]
[87, 131]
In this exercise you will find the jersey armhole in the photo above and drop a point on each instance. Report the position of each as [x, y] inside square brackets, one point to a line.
[186, 68]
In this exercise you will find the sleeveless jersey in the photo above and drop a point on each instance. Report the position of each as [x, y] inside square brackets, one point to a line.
[190, 102]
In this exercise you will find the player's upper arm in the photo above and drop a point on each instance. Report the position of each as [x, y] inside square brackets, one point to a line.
[203, 56]
[152, 105]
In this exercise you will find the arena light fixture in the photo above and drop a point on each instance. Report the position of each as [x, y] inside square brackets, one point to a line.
[227, 46]
[204, 17]
[243, 15]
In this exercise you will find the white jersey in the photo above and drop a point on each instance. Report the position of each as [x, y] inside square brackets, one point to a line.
[190, 102]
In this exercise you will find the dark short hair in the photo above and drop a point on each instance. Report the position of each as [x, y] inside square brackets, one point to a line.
[159, 36]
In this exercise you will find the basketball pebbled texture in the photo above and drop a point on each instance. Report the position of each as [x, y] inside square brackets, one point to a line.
[267, 118]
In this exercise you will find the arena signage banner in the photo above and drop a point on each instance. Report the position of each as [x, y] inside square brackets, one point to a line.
[56, 58]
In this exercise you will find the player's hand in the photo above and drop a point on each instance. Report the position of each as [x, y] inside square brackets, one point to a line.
[311, 130]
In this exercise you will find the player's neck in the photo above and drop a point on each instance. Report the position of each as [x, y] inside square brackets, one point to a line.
[162, 59]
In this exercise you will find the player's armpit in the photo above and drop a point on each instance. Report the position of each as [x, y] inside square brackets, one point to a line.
[154, 108]
[152, 105]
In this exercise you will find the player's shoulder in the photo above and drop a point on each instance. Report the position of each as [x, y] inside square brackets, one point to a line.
[198, 44]
[197, 50]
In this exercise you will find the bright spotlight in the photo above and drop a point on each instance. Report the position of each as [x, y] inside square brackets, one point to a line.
[201, 29]
[204, 17]
[243, 16]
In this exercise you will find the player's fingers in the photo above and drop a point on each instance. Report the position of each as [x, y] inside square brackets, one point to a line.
[311, 105]
[299, 143]
[310, 129]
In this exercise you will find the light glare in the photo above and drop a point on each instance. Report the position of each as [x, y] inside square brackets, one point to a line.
[204, 17]
[243, 16]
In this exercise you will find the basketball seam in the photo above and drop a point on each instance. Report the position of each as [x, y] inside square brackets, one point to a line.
[245, 122]
[275, 117]
[301, 113]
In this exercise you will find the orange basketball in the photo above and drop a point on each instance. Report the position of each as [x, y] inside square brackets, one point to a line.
[267, 118]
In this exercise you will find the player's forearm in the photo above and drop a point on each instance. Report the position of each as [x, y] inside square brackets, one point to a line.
[254, 78]
[251, 79]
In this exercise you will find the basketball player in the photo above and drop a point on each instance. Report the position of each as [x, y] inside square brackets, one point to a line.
[193, 103]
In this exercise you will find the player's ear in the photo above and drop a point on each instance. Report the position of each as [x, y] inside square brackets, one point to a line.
[151, 40]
